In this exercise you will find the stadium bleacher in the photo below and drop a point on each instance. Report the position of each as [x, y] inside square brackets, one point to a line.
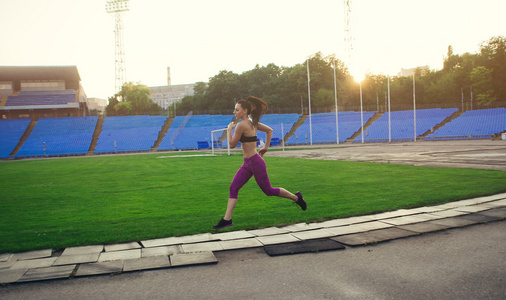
[324, 128]
[473, 124]
[130, 133]
[59, 136]
[402, 125]
[73, 135]
[46, 97]
[274, 121]
[11, 132]
[186, 135]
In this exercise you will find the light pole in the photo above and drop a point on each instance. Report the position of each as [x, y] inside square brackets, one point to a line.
[335, 94]
[361, 112]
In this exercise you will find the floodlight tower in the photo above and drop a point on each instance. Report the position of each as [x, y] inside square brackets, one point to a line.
[117, 7]
[347, 32]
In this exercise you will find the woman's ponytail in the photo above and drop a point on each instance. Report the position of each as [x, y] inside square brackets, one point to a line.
[258, 108]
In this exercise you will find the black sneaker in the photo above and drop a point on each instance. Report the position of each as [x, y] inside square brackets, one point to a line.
[301, 201]
[223, 224]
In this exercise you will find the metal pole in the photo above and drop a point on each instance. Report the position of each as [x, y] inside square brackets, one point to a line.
[361, 113]
[283, 137]
[309, 98]
[414, 108]
[462, 98]
[335, 94]
[389, 123]
[471, 92]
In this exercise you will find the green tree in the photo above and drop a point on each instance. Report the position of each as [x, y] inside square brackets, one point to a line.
[123, 109]
[323, 98]
[223, 89]
[493, 57]
[481, 79]
[139, 100]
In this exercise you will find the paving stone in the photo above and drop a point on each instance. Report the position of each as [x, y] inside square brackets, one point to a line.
[240, 244]
[375, 236]
[473, 208]
[277, 239]
[496, 212]
[424, 227]
[387, 234]
[202, 247]
[34, 263]
[360, 227]
[100, 268]
[77, 259]
[478, 218]
[10, 276]
[198, 238]
[313, 234]
[268, 231]
[448, 213]
[425, 209]
[335, 223]
[161, 251]
[83, 250]
[186, 259]
[146, 263]
[303, 247]
[7, 264]
[233, 235]
[408, 219]
[47, 273]
[206, 237]
[498, 203]
[5, 257]
[393, 214]
[117, 255]
[301, 227]
[453, 222]
[123, 246]
[160, 242]
[33, 254]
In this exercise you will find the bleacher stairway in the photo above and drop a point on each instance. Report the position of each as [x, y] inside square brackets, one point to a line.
[25, 136]
[96, 134]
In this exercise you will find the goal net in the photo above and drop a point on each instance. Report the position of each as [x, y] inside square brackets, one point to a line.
[219, 142]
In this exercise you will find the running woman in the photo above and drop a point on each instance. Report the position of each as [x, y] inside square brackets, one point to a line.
[254, 165]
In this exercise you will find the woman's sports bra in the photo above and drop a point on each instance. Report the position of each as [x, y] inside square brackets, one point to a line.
[247, 139]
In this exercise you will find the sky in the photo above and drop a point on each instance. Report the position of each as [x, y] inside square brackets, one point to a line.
[199, 38]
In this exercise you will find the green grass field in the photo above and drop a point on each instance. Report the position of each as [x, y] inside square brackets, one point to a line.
[58, 203]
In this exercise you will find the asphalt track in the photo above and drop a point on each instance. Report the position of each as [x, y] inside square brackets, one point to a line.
[464, 263]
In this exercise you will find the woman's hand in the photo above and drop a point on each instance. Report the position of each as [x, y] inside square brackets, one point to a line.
[262, 152]
[231, 125]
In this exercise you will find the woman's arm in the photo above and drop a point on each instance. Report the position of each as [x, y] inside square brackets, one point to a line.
[234, 139]
[268, 132]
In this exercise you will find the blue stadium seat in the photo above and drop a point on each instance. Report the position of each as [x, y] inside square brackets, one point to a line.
[473, 124]
[59, 136]
[130, 133]
[197, 129]
[324, 128]
[402, 124]
[50, 97]
[11, 132]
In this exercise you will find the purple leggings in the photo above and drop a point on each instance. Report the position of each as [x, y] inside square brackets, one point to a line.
[253, 166]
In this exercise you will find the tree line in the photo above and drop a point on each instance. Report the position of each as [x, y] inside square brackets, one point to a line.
[469, 79]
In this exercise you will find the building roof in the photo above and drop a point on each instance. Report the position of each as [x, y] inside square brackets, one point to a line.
[15, 73]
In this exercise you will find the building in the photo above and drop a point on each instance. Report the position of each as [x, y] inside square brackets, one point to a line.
[41, 91]
[165, 96]
[97, 104]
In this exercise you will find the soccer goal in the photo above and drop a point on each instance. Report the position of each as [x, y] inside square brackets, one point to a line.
[219, 142]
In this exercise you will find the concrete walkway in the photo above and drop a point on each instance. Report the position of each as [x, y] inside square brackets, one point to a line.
[200, 249]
